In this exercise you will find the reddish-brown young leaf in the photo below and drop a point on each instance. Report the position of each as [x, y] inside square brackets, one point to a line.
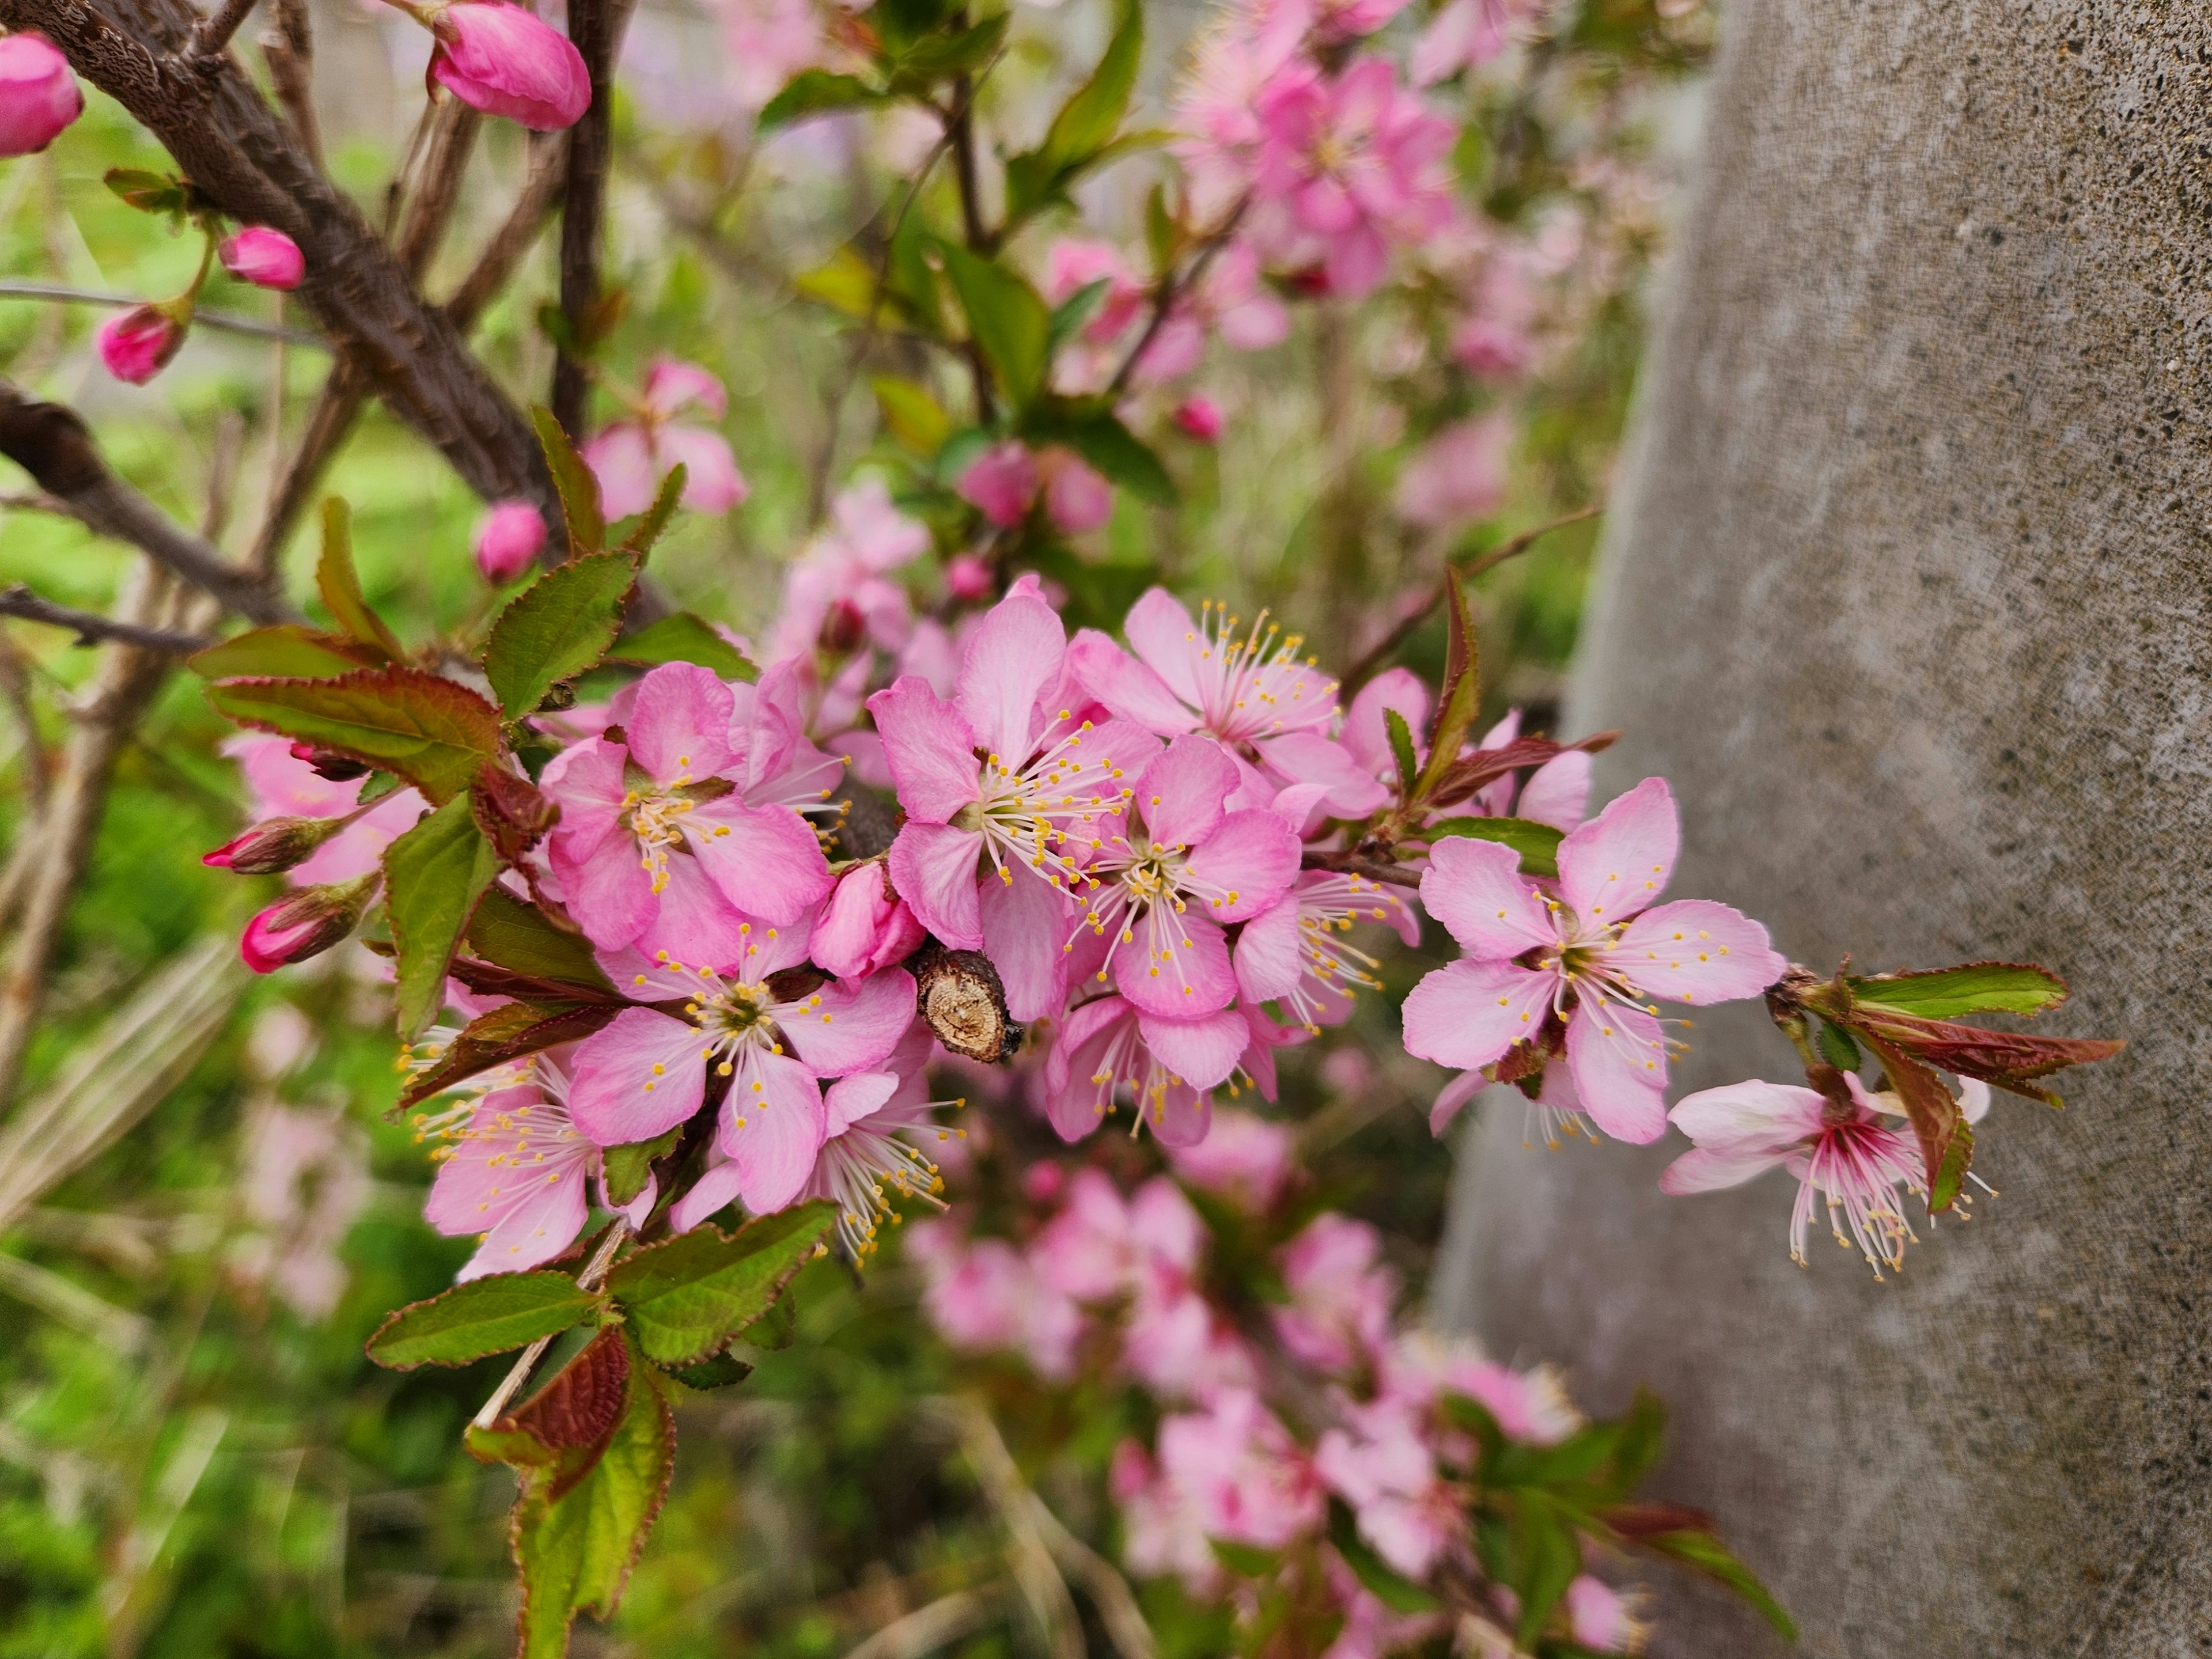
[1463, 777]
[1946, 1142]
[513, 812]
[1645, 1520]
[489, 979]
[2005, 1059]
[505, 1033]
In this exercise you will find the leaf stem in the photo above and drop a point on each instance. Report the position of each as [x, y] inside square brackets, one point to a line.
[594, 1271]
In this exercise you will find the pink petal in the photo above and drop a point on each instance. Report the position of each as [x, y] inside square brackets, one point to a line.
[764, 859]
[1466, 1014]
[934, 867]
[1201, 1052]
[1026, 922]
[1012, 656]
[1357, 262]
[1617, 862]
[850, 1099]
[1366, 733]
[1750, 1120]
[851, 1027]
[639, 1078]
[1324, 207]
[1179, 1116]
[1177, 978]
[1268, 962]
[1180, 794]
[772, 1128]
[610, 894]
[1165, 640]
[694, 923]
[671, 385]
[1309, 757]
[1618, 1058]
[679, 727]
[1254, 856]
[715, 1189]
[585, 782]
[534, 1233]
[1558, 791]
[1476, 888]
[1084, 1037]
[1700, 1171]
[1452, 1097]
[712, 483]
[621, 460]
[929, 748]
[1127, 688]
[1697, 951]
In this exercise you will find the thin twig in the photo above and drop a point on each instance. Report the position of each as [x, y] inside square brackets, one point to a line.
[926, 1629]
[288, 46]
[594, 1271]
[90, 628]
[594, 26]
[210, 35]
[960, 128]
[1171, 289]
[499, 257]
[228, 322]
[15, 684]
[1351, 864]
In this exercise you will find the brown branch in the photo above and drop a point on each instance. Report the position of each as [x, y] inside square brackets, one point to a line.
[211, 34]
[960, 128]
[928, 1629]
[228, 322]
[594, 27]
[90, 627]
[1351, 864]
[1170, 288]
[288, 46]
[15, 686]
[500, 256]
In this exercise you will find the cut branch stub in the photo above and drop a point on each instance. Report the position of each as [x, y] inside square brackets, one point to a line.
[962, 999]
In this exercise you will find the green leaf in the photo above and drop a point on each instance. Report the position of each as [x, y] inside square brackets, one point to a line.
[1246, 1560]
[1071, 314]
[483, 1316]
[1643, 1438]
[339, 584]
[847, 282]
[937, 57]
[430, 730]
[286, 651]
[1972, 988]
[579, 490]
[684, 637]
[376, 786]
[147, 191]
[1402, 749]
[506, 1032]
[433, 876]
[1462, 695]
[911, 414]
[1542, 1559]
[719, 1373]
[556, 627]
[652, 523]
[1162, 235]
[628, 1167]
[816, 92]
[1385, 1583]
[1085, 125]
[1580, 1455]
[576, 1551]
[686, 1298]
[1008, 319]
[1837, 1047]
[511, 934]
[1538, 844]
[778, 1328]
[1702, 1553]
[1102, 440]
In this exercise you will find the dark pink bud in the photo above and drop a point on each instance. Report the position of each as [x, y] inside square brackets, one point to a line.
[500, 60]
[265, 257]
[338, 768]
[842, 629]
[305, 923]
[970, 579]
[1201, 417]
[1001, 482]
[39, 96]
[511, 536]
[136, 344]
[865, 926]
[274, 844]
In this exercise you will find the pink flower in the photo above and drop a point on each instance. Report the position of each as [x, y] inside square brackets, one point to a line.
[1240, 1471]
[1199, 417]
[1379, 1462]
[668, 836]
[646, 1072]
[1459, 475]
[305, 923]
[509, 538]
[137, 344]
[765, 43]
[1556, 792]
[1109, 1049]
[284, 786]
[1344, 20]
[1599, 1618]
[1850, 1154]
[1236, 62]
[265, 257]
[1598, 954]
[1087, 362]
[1076, 498]
[1347, 167]
[501, 60]
[1420, 1367]
[1370, 1629]
[1243, 1158]
[1000, 483]
[1466, 33]
[969, 579]
[1253, 692]
[985, 1294]
[39, 96]
[306, 1179]
[1338, 1315]
[1294, 954]
[845, 571]
[865, 926]
[631, 458]
[1174, 867]
[1043, 780]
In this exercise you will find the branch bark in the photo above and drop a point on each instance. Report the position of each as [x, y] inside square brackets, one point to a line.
[90, 627]
[595, 28]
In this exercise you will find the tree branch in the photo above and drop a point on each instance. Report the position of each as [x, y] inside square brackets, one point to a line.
[227, 322]
[90, 627]
[498, 260]
[1170, 290]
[288, 46]
[210, 35]
[1351, 864]
[594, 28]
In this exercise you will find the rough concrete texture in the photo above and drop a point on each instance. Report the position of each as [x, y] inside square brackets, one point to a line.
[1907, 590]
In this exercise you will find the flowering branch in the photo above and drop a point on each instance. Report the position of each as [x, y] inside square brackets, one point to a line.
[17, 600]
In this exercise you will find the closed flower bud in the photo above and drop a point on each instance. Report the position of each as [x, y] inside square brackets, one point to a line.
[136, 344]
[265, 257]
[970, 579]
[511, 536]
[327, 764]
[39, 96]
[1076, 498]
[500, 60]
[1201, 417]
[305, 923]
[1001, 482]
[275, 844]
[865, 926]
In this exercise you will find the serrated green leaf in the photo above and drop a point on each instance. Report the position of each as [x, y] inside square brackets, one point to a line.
[286, 651]
[339, 584]
[483, 1316]
[686, 1298]
[913, 417]
[433, 876]
[1972, 988]
[776, 1330]
[1009, 321]
[719, 1373]
[1086, 123]
[430, 730]
[937, 57]
[1702, 1553]
[511, 934]
[684, 637]
[1387, 1585]
[652, 523]
[1102, 440]
[816, 92]
[1837, 1047]
[556, 627]
[376, 786]
[579, 490]
[627, 1167]
[1402, 749]
[1538, 844]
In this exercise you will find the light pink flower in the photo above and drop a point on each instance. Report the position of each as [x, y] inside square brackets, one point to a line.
[1599, 952]
[1246, 1476]
[136, 344]
[1465, 34]
[265, 257]
[1109, 1049]
[1379, 1462]
[669, 835]
[1420, 1367]
[1459, 475]
[847, 568]
[985, 1294]
[865, 926]
[306, 1179]
[1245, 1159]
[509, 540]
[631, 458]
[1856, 1157]
[1338, 1315]
[39, 96]
[1600, 1618]
[501, 60]
[1370, 1629]
[1077, 497]
[1236, 62]
[766, 42]
[1001, 483]
[1294, 954]
[1087, 362]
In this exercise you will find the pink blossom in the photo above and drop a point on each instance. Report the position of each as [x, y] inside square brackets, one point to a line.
[1109, 1049]
[1294, 953]
[501, 60]
[1088, 362]
[1379, 1462]
[766, 42]
[509, 538]
[1420, 1367]
[1556, 792]
[1338, 20]
[847, 566]
[1199, 417]
[985, 1294]
[306, 1179]
[136, 344]
[631, 458]
[865, 926]
[1463, 34]
[1600, 1618]
[1236, 62]
[692, 821]
[265, 257]
[1370, 1629]
[1077, 498]
[304, 923]
[283, 786]
[1001, 483]
[1233, 299]
[39, 96]
[1459, 475]
[969, 579]
[1338, 1315]
[1243, 1472]
[1243, 1158]
[1855, 1156]
[1599, 954]
[1043, 781]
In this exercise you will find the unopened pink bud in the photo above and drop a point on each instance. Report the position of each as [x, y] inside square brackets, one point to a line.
[970, 579]
[274, 844]
[329, 763]
[265, 257]
[136, 344]
[305, 923]
[1002, 483]
[500, 60]
[511, 536]
[39, 96]
[865, 926]
[1077, 498]
[1201, 417]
